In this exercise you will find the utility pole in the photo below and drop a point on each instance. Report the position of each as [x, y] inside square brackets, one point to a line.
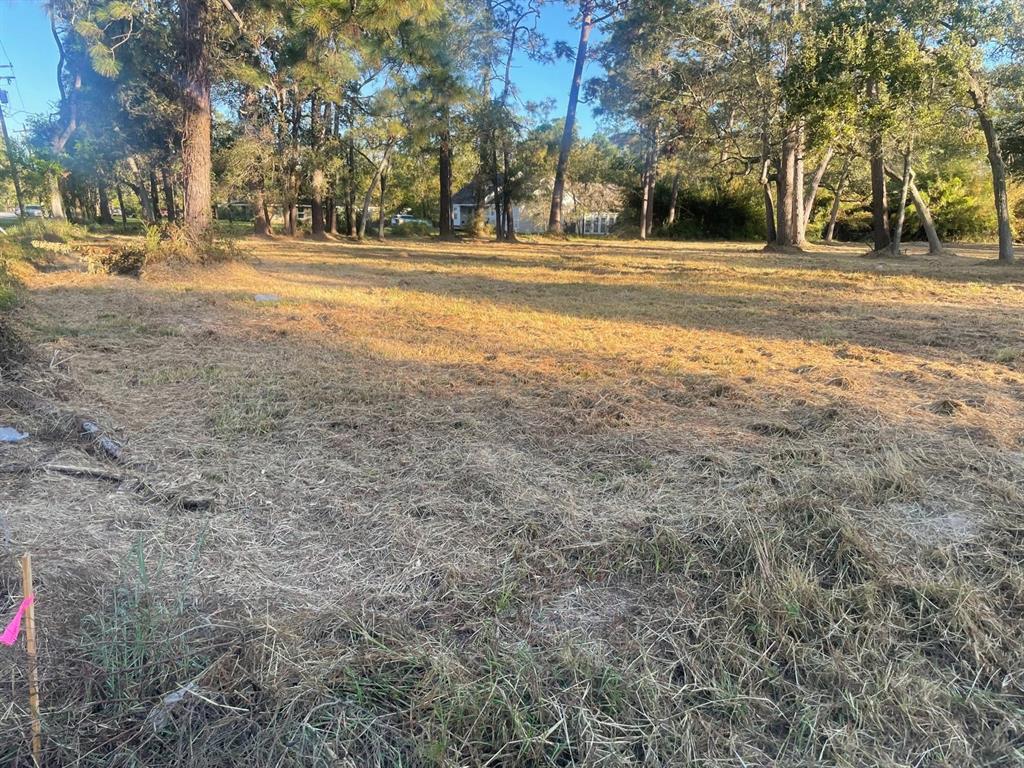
[7, 143]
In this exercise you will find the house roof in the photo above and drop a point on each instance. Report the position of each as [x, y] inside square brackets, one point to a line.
[467, 195]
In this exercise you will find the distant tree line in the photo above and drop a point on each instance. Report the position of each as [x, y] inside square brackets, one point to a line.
[743, 119]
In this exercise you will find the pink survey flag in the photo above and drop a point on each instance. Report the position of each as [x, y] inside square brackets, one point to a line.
[11, 633]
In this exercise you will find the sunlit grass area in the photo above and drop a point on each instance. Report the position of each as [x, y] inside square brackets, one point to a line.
[560, 503]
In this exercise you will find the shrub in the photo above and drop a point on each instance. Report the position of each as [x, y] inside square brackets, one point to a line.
[961, 210]
[412, 229]
[170, 244]
[114, 260]
[7, 295]
[730, 214]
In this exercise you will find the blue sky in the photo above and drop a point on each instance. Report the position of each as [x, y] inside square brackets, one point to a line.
[27, 44]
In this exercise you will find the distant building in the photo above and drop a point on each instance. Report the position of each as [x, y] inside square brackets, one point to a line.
[587, 209]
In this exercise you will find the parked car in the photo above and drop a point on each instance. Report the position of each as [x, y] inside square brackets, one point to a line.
[35, 212]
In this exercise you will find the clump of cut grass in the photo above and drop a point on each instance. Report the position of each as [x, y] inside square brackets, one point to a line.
[169, 244]
[114, 259]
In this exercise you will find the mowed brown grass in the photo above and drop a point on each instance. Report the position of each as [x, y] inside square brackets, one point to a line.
[594, 503]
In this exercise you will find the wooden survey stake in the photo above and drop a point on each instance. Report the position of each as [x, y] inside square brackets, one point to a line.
[33, 667]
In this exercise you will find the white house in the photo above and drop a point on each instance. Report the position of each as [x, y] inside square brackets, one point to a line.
[588, 209]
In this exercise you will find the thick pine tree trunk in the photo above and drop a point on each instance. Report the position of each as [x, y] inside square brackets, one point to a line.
[196, 124]
[998, 166]
[586, 25]
[106, 217]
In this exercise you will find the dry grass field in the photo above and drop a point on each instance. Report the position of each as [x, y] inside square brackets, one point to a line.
[589, 504]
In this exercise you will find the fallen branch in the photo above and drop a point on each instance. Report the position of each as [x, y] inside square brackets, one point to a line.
[64, 469]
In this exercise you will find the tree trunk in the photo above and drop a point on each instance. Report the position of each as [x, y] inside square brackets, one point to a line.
[651, 182]
[332, 216]
[106, 217]
[771, 235]
[833, 215]
[879, 195]
[799, 226]
[318, 180]
[292, 219]
[196, 122]
[784, 234]
[901, 211]
[586, 25]
[380, 215]
[995, 160]
[350, 191]
[923, 213]
[673, 201]
[368, 197]
[480, 191]
[260, 222]
[318, 186]
[154, 195]
[14, 168]
[53, 189]
[444, 164]
[145, 210]
[645, 192]
[139, 188]
[172, 211]
[120, 204]
[812, 192]
[506, 198]
[496, 197]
